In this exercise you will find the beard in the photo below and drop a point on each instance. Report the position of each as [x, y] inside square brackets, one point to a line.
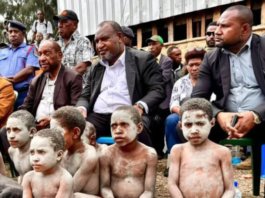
[110, 56]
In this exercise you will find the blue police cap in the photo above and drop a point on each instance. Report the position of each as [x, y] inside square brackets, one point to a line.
[17, 25]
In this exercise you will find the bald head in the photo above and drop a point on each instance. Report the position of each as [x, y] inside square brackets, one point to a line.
[244, 14]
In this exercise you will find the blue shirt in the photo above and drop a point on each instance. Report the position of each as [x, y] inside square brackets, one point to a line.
[13, 61]
[245, 93]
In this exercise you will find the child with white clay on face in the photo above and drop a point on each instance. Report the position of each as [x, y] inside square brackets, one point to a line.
[128, 167]
[48, 179]
[199, 168]
[89, 137]
[20, 129]
[79, 159]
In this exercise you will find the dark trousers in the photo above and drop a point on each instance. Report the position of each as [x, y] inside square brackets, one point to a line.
[20, 99]
[158, 136]
[102, 125]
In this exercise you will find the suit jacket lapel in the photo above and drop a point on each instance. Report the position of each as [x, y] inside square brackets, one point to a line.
[98, 72]
[58, 84]
[257, 62]
[225, 72]
[39, 91]
[130, 71]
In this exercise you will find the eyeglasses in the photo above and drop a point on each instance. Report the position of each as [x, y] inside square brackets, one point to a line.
[195, 48]
[209, 33]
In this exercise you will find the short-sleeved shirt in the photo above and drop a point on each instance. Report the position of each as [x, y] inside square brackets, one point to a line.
[78, 50]
[13, 61]
[182, 89]
[45, 27]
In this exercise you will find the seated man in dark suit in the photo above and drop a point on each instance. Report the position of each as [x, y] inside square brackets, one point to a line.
[56, 87]
[234, 71]
[123, 76]
[155, 45]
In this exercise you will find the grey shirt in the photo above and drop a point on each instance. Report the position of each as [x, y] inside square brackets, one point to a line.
[245, 93]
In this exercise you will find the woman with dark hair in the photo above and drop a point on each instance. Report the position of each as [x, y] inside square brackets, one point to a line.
[182, 89]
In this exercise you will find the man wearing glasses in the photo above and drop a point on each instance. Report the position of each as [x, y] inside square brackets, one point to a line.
[210, 36]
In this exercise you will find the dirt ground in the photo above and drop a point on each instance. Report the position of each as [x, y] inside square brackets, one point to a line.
[245, 185]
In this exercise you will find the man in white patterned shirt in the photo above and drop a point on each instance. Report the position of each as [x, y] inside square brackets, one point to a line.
[77, 50]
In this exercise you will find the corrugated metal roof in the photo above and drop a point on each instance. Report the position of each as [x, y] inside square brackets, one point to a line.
[131, 12]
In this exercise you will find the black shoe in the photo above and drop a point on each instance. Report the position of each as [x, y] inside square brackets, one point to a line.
[166, 172]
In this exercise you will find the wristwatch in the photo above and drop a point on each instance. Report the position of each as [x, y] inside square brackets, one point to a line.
[141, 106]
[256, 118]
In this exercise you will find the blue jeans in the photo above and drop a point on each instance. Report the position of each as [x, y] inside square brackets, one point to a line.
[170, 130]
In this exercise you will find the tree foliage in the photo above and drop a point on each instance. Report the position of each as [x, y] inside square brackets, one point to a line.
[25, 11]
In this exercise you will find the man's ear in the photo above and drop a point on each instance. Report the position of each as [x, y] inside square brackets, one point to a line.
[77, 133]
[59, 155]
[32, 132]
[180, 125]
[120, 35]
[140, 128]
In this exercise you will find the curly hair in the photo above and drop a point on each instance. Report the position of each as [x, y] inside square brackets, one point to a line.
[26, 117]
[135, 116]
[197, 104]
[56, 137]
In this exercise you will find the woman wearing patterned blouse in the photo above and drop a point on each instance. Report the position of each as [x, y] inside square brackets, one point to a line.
[182, 89]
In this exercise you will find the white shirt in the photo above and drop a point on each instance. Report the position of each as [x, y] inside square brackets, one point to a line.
[41, 27]
[114, 91]
[46, 106]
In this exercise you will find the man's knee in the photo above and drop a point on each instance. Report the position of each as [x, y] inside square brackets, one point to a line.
[172, 119]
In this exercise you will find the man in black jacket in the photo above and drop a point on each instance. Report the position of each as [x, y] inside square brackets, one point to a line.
[123, 76]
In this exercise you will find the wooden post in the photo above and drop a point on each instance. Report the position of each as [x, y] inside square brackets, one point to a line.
[170, 27]
[203, 25]
[216, 13]
[139, 38]
[263, 13]
[248, 4]
[189, 27]
[154, 29]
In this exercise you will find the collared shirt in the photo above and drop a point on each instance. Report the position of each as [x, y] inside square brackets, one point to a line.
[78, 50]
[13, 61]
[46, 106]
[114, 90]
[177, 72]
[245, 93]
[182, 89]
[44, 27]
[158, 58]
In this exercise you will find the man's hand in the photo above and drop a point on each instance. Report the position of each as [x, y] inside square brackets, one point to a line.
[43, 123]
[10, 79]
[224, 119]
[138, 109]
[84, 113]
[245, 123]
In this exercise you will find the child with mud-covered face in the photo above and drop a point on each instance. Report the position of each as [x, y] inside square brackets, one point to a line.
[20, 129]
[89, 137]
[199, 168]
[128, 167]
[79, 159]
[48, 179]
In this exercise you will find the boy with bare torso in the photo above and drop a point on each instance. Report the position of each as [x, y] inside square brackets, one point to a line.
[127, 168]
[20, 129]
[48, 179]
[79, 159]
[89, 137]
[199, 168]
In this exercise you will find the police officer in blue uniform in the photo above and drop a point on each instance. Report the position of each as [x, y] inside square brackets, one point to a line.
[18, 61]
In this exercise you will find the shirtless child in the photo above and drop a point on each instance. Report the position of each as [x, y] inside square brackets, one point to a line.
[9, 188]
[79, 159]
[128, 167]
[199, 168]
[89, 137]
[48, 179]
[2, 166]
[20, 129]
